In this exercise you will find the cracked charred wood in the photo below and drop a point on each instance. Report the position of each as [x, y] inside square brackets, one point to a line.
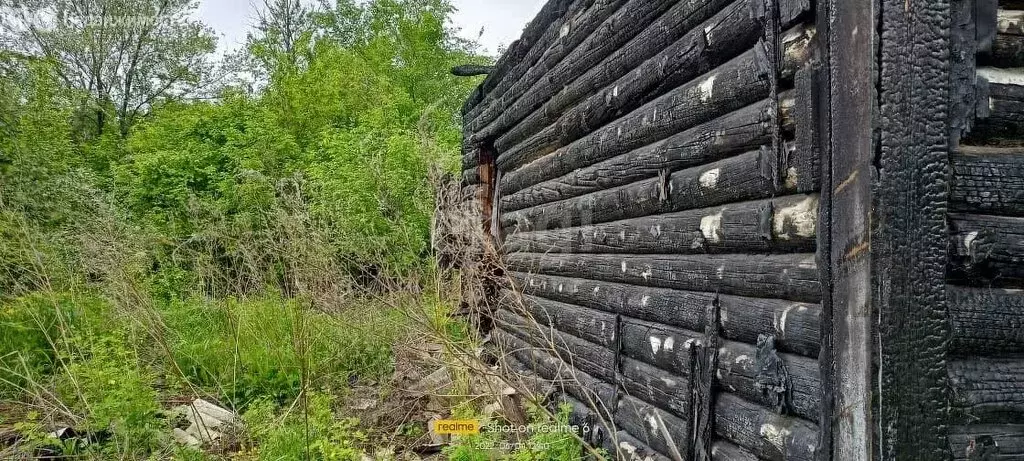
[795, 325]
[1000, 119]
[598, 31]
[671, 349]
[988, 180]
[471, 176]
[640, 87]
[736, 132]
[536, 32]
[789, 276]
[987, 250]
[987, 390]
[671, 63]
[986, 320]
[557, 373]
[592, 325]
[742, 81]
[629, 448]
[781, 225]
[1007, 52]
[725, 451]
[588, 357]
[471, 70]
[661, 430]
[987, 441]
[744, 177]
[766, 434]
[666, 391]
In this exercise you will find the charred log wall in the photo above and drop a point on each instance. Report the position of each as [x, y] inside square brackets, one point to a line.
[657, 194]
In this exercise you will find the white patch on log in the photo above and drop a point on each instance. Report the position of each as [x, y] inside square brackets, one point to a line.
[564, 31]
[707, 88]
[720, 272]
[710, 178]
[669, 343]
[780, 326]
[1002, 76]
[596, 289]
[668, 381]
[775, 435]
[627, 447]
[647, 274]
[646, 299]
[655, 344]
[969, 239]
[560, 287]
[615, 91]
[710, 227]
[724, 316]
[800, 219]
[791, 178]
[741, 359]
[623, 267]
[622, 236]
[652, 421]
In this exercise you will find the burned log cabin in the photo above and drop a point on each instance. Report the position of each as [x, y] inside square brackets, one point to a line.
[763, 229]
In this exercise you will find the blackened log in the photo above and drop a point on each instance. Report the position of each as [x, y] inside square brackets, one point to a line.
[743, 177]
[471, 176]
[725, 451]
[588, 357]
[702, 49]
[766, 434]
[651, 384]
[781, 225]
[791, 276]
[986, 320]
[471, 70]
[1000, 108]
[629, 448]
[734, 85]
[559, 375]
[987, 390]
[999, 442]
[987, 250]
[653, 426]
[594, 429]
[1007, 52]
[740, 131]
[536, 32]
[470, 158]
[671, 349]
[592, 325]
[988, 180]
[585, 44]
[641, 86]
[795, 325]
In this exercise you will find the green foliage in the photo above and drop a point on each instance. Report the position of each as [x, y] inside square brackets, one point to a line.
[315, 433]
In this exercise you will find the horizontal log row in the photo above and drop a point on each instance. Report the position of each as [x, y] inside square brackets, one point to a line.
[986, 321]
[583, 355]
[771, 436]
[995, 442]
[671, 349]
[626, 447]
[781, 225]
[988, 180]
[725, 451]
[600, 30]
[741, 82]
[987, 390]
[987, 249]
[559, 374]
[673, 64]
[795, 325]
[790, 276]
[1001, 108]
[536, 37]
[744, 177]
[1007, 52]
[661, 430]
[736, 132]
[645, 84]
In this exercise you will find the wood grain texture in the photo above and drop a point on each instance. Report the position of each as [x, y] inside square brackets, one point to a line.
[732, 86]
[735, 179]
[661, 430]
[966, 441]
[987, 390]
[603, 29]
[795, 325]
[770, 436]
[1000, 119]
[986, 250]
[792, 277]
[782, 225]
[583, 355]
[987, 180]
[986, 321]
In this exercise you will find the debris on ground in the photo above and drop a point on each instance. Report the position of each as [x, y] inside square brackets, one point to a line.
[207, 423]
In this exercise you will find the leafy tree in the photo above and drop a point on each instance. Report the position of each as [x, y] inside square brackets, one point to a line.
[123, 54]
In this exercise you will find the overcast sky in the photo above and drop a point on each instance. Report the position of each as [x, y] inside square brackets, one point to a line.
[501, 20]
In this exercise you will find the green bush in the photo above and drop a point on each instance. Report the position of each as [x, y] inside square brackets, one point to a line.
[303, 433]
